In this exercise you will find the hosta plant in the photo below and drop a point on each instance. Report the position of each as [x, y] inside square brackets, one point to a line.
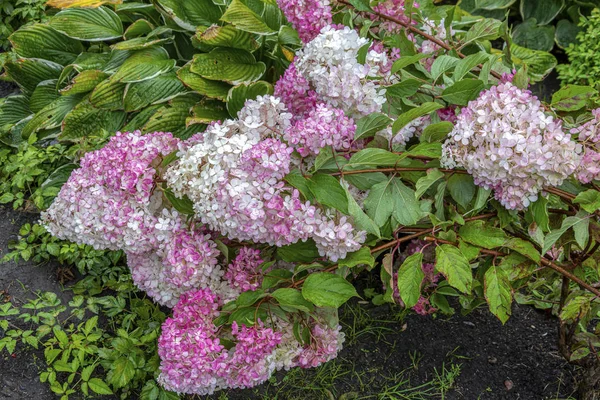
[396, 142]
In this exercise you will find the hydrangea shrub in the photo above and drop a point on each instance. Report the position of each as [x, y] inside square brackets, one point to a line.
[382, 148]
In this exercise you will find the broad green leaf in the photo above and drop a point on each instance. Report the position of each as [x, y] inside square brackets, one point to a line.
[172, 116]
[543, 11]
[369, 125]
[403, 89]
[190, 14]
[372, 158]
[555, 234]
[493, 4]
[41, 41]
[359, 257]
[361, 220]
[292, 299]
[80, 3]
[367, 180]
[533, 36]
[465, 65]
[589, 200]
[539, 63]
[27, 73]
[152, 91]
[243, 18]
[566, 33]
[405, 61]
[410, 279]
[109, 95]
[498, 292]
[227, 36]
[238, 95]
[138, 28]
[329, 192]
[44, 94]
[327, 290]
[432, 150]
[297, 180]
[184, 205]
[84, 82]
[405, 118]
[486, 29]
[482, 234]
[572, 97]
[425, 182]
[89, 24]
[52, 115]
[143, 65]
[539, 210]
[13, 109]
[436, 132]
[122, 372]
[139, 43]
[582, 230]
[209, 88]
[451, 263]
[523, 247]
[392, 197]
[463, 91]
[442, 64]
[98, 386]
[233, 66]
[208, 110]
[576, 308]
[462, 189]
[304, 252]
[85, 121]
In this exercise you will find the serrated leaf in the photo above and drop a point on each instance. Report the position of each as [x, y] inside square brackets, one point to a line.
[498, 292]
[327, 290]
[442, 64]
[328, 191]
[209, 88]
[404, 118]
[90, 24]
[576, 308]
[243, 18]
[463, 91]
[410, 279]
[405, 61]
[233, 66]
[486, 29]
[465, 65]
[292, 298]
[436, 132]
[482, 234]
[589, 200]
[389, 198]
[425, 182]
[41, 41]
[359, 257]
[304, 252]
[152, 91]
[403, 89]
[361, 220]
[555, 234]
[369, 125]
[372, 158]
[462, 189]
[451, 263]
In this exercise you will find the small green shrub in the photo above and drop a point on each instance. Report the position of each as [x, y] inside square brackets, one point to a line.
[14, 14]
[584, 56]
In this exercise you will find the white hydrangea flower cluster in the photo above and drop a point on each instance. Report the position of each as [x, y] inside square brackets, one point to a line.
[329, 63]
[509, 144]
[233, 175]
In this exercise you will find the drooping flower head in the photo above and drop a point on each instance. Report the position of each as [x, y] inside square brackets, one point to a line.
[308, 17]
[589, 137]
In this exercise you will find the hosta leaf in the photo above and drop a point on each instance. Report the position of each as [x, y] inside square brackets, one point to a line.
[144, 64]
[454, 266]
[566, 33]
[498, 292]
[172, 117]
[90, 24]
[533, 36]
[190, 14]
[116, 59]
[238, 95]
[539, 63]
[27, 73]
[84, 82]
[155, 90]
[13, 109]
[41, 41]
[80, 3]
[138, 28]
[208, 110]
[140, 118]
[233, 66]
[86, 120]
[52, 115]
[109, 95]
[543, 11]
[245, 19]
[139, 43]
[44, 94]
[227, 36]
[206, 87]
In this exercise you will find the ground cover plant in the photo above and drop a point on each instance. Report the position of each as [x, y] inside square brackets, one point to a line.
[269, 154]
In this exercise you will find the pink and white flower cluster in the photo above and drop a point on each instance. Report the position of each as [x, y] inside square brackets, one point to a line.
[509, 144]
[589, 137]
[308, 17]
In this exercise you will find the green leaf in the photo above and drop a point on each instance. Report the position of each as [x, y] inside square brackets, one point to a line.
[207, 111]
[360, 219]
[463, 91]
[360, 257]
[451, 263]
[589, 200]
[405, 118]
[144, 64]
[361, 5]
[554, 235]
[403, 89]
[98, 386]
[498, 292]
[238, 95]
[109, 95]
[28, 73]
[152, 91]
[372, 158]
[405, 61]
[328, 191]
[138, 28]
[52, 115]
[462, 189]
[436, 132]
[227, 36]
[41, 41]
[486, 29]
[292, 298]
[410, 279]
[121, 373]
[90, 24]
[442, 64]
[465, 65]
[44, 94]
[581, 230]
[493, 4]
[576, 308]
[85, 82]
[533, 36]
[543, 11]
[172, 116]
[190, 14]
[233, 66]
[370, 124]
[566, 33]
[572, 97]
[389, 198]
[425, 182]
[482, 234]
[245, 19]
[85, 120]
[140, 43]
[539, 63]
[539, 210]
[209, 88]
[327, 290]
[13, 109]
[304, 252]
[524, 247]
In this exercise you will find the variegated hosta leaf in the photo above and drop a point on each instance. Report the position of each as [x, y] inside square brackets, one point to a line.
[90, 24]
[85, 120]
[84, 82]
[52, 115]
[206, 87]
[190, 14]
[233, 66]
[155, 90]
[44, 42]
[80, 3]
[27, 73]
[144, 64]
[226, 36]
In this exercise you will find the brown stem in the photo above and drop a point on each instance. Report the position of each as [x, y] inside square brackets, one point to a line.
[398, 169]
[421, 33]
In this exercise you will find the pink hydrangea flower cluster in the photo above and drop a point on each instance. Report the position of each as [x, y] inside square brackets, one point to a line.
[194, 361]
[509, 144]
[395, 9]
[308, 17]
[244, 272]
[589, 137]
[233, 175]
